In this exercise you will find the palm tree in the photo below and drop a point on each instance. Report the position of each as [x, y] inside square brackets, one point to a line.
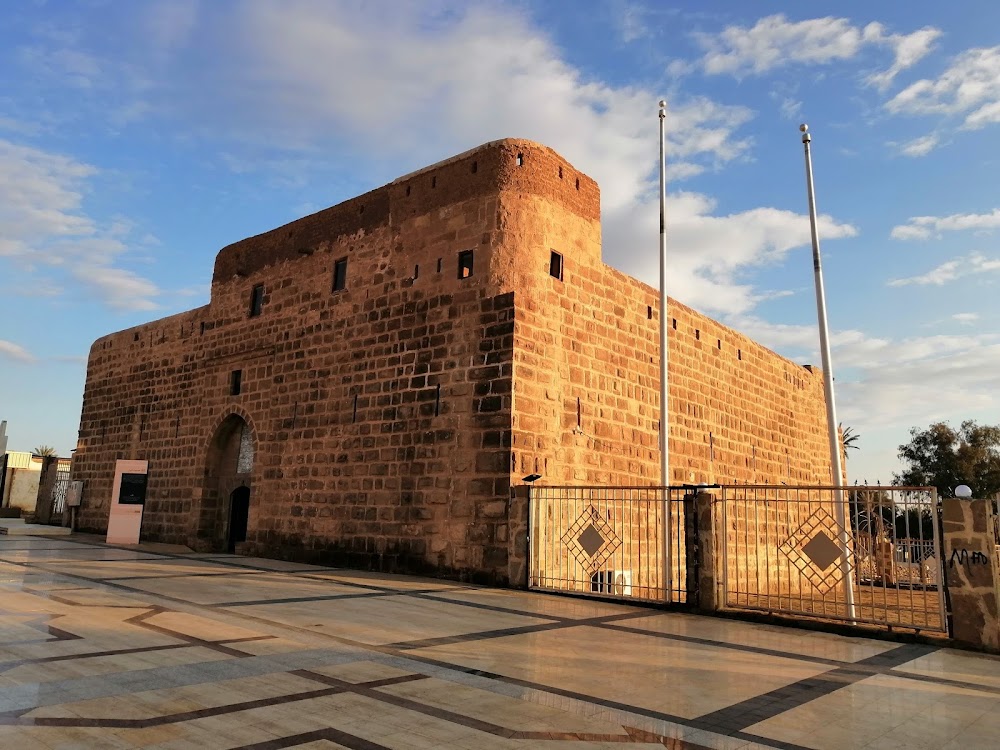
[850, 438]
[44, 450]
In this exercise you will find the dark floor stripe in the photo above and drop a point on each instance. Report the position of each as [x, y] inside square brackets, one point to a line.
[484, 635]
[350, 741]
[762, 707]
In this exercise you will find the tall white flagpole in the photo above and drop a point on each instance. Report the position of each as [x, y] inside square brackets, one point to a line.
[847, 558]
[664, 413]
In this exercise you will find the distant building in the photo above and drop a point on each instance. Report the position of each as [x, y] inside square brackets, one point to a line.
[368, 382]
[21, 475]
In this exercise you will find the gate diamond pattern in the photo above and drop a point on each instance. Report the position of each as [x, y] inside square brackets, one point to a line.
[591, 539]
[813, 549]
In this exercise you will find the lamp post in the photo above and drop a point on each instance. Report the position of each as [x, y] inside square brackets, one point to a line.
[846, 557]
[664, 414]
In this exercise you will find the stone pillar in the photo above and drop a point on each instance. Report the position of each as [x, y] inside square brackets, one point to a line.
[46, 483]
[970, 569]
[701, 547]
[517, 536]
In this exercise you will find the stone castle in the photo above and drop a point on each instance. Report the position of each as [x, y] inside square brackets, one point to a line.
[368, 383]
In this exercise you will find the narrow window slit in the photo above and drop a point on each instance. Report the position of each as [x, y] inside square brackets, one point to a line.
[465, 264]
[556, 265]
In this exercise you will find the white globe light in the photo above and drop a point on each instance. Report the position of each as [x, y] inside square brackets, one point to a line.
[963, 491]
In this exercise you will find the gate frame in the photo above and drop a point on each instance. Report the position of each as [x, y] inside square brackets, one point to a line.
[833, 491]
[672, 501]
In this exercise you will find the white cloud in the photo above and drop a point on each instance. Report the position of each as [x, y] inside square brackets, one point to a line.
[633, 20]
[16, 352]
[708, 253]
[965, 318]
[971, 265]
[42, 221]
[937, 277]
[919, 146]
[909, 49]
[883, 383]
[970, 87]
[480, 74]
[775, 42]
[925, 227]
[791, 109]
[120, 289]
[476, 75]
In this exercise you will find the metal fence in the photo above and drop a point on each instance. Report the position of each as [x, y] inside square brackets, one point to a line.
[59, 492]
[783, 550]
[618, 542]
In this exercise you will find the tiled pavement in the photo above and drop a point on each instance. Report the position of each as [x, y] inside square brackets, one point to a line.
[118, 648]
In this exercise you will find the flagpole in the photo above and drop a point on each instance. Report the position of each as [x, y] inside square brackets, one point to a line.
[846, 559]
[664, 414]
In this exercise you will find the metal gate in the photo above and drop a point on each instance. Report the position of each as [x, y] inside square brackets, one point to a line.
[618, 542]
[59, 492]
[782, 552]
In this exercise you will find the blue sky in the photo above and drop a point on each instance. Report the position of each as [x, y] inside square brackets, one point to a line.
[138, 138]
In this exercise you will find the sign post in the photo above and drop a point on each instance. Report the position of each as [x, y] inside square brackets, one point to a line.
[128, 498]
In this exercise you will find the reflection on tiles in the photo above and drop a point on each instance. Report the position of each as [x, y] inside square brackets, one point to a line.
[107, 647]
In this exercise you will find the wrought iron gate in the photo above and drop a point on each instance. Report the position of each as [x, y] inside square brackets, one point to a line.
[618, 542]
[781, 552]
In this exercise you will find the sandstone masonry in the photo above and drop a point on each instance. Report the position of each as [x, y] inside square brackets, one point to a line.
[379, 375]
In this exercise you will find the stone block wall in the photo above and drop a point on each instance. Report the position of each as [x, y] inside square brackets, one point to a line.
[388, 420]
[971, 571]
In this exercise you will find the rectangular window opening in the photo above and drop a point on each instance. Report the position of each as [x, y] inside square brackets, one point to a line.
[649, 312]
[340, 275]
[465, 264]
[520, 160]
[697, 334]
[720, 343]
[739, 354]
[235, 382]
[673, 323]
[202, 329]
[256, 300]
[556, 265]
[439, 264]
[416, 272]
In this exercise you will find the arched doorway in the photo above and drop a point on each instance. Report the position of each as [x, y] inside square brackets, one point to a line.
[239, 515]
[223, 516]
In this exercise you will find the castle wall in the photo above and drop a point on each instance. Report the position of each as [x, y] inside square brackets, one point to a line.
[388, 420]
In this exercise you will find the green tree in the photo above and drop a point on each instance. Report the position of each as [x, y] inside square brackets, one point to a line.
[44, 450]
[943, 457]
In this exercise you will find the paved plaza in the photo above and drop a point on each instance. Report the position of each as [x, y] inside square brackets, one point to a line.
[153, 647]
